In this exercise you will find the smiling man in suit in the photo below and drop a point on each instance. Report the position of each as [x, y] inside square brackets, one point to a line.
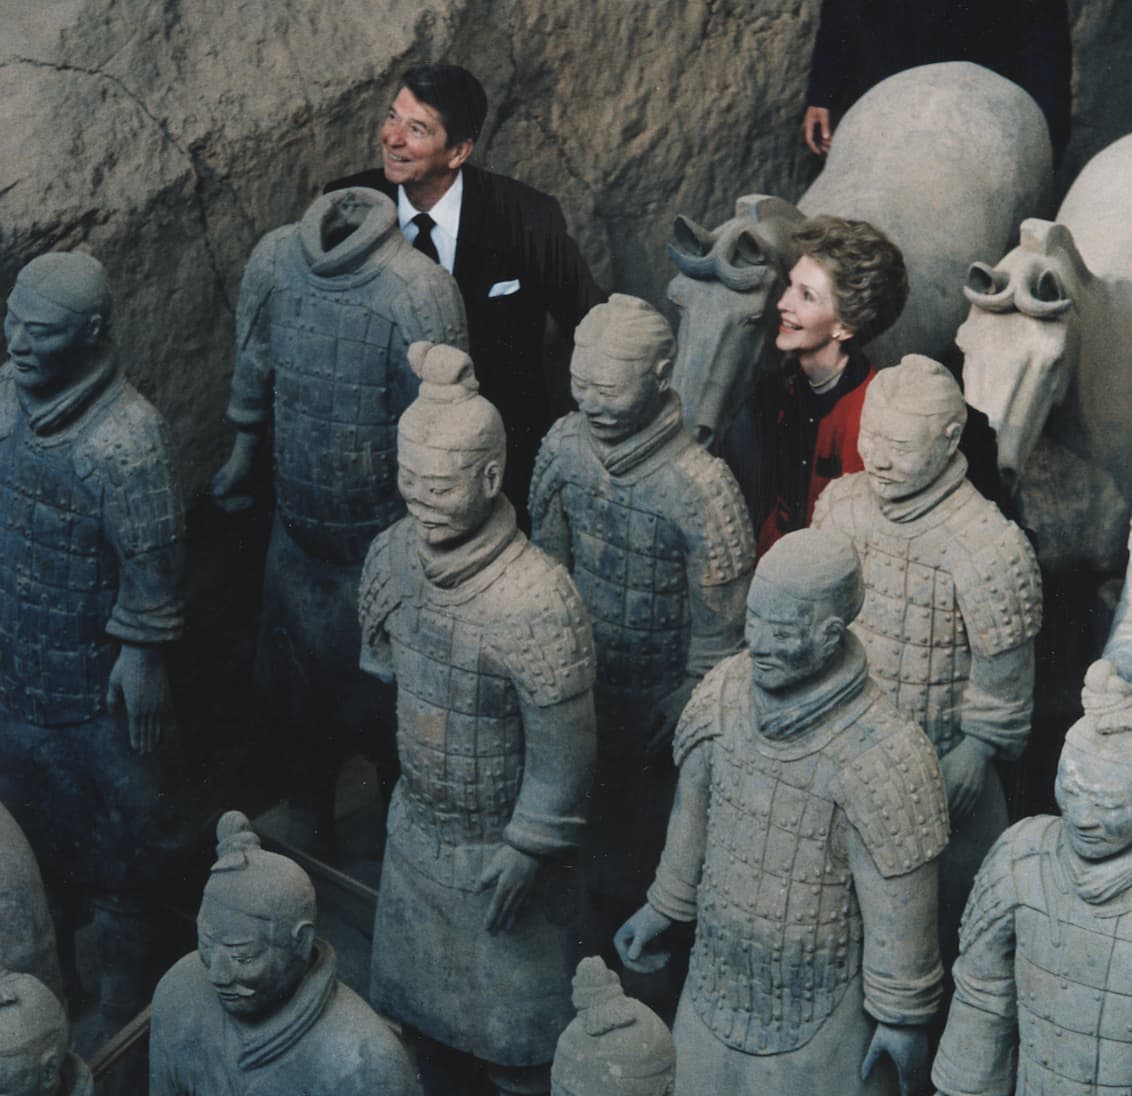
[505, 242]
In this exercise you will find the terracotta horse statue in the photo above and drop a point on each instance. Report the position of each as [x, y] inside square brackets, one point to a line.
[1045, 346]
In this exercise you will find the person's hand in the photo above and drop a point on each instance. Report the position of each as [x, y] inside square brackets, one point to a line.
[139, 687]
[636, 934]
[964, 771]
[230, 487]
[513, 874]
[817, 118]
[910, 1051]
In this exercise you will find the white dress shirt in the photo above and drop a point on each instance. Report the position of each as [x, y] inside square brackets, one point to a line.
[446, 214]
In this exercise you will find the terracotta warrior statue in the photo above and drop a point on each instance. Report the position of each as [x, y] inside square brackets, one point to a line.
[35, 1054]
[27, 936]
[952, 603]
[1041, 999]
[657, 537]
[615, 1046]
[491, 648]
[90, 596]
[327, 310]
[803, 843]
[258, 1007]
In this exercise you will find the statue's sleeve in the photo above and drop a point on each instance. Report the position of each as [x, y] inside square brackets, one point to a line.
[998, 587]
[250, 404]
[129, 456]
[979, 1048]
[548, 646]
[720, 561]
[903, 977]
[550, 526]
[673, 891]
[377, 598]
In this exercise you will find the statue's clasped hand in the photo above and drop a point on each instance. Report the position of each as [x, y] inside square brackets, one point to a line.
[513, 874]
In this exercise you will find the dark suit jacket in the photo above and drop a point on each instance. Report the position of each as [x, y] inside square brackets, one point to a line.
[511, 232]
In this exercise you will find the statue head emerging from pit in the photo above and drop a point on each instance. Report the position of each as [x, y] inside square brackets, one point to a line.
[58, 316]
[806, 591]
[255, 928]
[34, 1037]
[911, 423]
[620, 369]
[450, 449]
[1094, 775]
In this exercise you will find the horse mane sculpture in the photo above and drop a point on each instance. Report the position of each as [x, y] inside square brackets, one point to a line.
[1043, 347]
[944, 158]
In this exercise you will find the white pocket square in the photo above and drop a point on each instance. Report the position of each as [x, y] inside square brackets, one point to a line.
[504, 289]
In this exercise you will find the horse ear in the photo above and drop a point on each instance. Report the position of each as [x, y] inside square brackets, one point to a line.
[747, 250]
[1043, 296]
[988, 288]
[690, 239]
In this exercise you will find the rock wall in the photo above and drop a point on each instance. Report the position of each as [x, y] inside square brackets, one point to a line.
[167, 136]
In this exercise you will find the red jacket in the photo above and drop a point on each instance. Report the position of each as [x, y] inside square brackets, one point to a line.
[834, 453]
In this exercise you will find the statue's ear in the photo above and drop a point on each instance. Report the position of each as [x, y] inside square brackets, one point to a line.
[829, 635]
[50, 1070]
[663, 372]
[492, 473]
[953, 432]
[92, 329]
[302, 936]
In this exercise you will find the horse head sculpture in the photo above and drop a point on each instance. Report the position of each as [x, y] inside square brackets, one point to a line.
[728, 280]
[1021, 340]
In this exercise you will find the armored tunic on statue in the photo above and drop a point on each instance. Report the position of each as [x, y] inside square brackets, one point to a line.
[328, 308]
[797, 835]
[949, 582]
[324, 1041]
[1042, 1003]
[479, 638]
[657, 538]
[91, 544]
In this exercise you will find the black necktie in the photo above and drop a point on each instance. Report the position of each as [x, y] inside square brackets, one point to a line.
[423, 243]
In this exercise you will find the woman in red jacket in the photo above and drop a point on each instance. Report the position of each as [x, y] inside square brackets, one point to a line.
[847, 287]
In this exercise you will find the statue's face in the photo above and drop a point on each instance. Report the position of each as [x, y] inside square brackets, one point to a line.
[46, 343]
[250, 974]
[1095, 797]
[783, 638]
[618, 398]
[449, 493]
[903, 452]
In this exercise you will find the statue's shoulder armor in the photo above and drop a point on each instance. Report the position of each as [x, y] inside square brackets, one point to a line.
[378, 593]
[1014, 856]
[891, 790]
[260, 278]
[546, 636]
[547, 476]
[428, 305]
[997, 580]
[838, 506]
[715, 515]
[701, 718]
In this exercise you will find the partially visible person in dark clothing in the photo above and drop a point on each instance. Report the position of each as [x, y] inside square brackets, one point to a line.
[847, 287]
[861, 42]
[505, 243]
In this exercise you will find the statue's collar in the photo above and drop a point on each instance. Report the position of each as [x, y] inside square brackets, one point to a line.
[1098, 882]
[632, 452]
[50, 415]
[788, 713]
[915, 506]
[450, 567]
[265, 1040]
[373, 218]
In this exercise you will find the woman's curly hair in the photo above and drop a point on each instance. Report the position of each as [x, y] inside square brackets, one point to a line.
[867, 269]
